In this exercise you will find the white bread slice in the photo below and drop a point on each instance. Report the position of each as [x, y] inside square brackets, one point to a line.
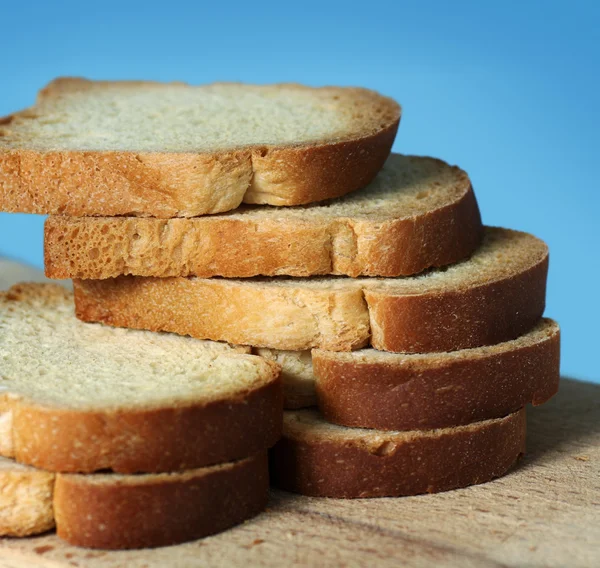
[114, 511]
[417, 213]
[77, 397]
[409, 391]
[496, 295]
[173, 150]
[320, 459]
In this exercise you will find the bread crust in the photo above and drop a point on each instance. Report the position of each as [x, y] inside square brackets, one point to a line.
[159, 510]
[112, 511]
[98, 248]
[419, 463]
[187, 184]
[147, 440]
[422, 393]
[445, 321]
[343, 315]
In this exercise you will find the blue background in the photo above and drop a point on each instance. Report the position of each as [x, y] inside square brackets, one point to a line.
[508, 92]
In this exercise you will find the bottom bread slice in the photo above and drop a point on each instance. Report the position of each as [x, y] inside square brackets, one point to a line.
[320, 459]
[114, 511]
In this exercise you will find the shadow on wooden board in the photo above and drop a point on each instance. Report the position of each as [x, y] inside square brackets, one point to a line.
[568, 421]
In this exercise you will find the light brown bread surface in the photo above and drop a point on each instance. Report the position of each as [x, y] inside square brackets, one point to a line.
[114, 511]
[25, 499]
[391, 391]
[80, 398]
[323, 460]
[173, 150]
[417, 213]
[496, 295]
[296, 375]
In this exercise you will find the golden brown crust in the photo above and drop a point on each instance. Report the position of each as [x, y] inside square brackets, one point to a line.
[408, 393]
[98, 248]
[147, 440]
[452, 458]
[151, 511]
[446, 321]
[165, 185]
[305, 174]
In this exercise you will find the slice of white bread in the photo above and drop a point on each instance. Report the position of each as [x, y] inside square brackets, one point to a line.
[394, 391]
[320, 459]
[81, 398]
[173, 150]
[496, 295]
[408, 391]
[417, 213]
[115, 511]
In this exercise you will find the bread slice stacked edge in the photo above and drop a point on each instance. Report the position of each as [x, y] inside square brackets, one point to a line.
[183, 426]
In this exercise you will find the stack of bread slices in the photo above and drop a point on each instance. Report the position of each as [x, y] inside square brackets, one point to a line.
[236, 250]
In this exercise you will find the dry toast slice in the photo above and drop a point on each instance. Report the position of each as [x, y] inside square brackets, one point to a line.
[418, 213]
[80, 398]
[494, 296]
[320, 459]
[175, 150]
[116, 511]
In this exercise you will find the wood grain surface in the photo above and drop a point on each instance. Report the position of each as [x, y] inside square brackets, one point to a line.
[546, 513]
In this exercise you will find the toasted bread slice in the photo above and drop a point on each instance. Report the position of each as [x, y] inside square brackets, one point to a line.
[496, 295]
[115, 511]
[416, 214]
[392, 391]
[82, 398]
[320, 459]
[407, 391]
[173, 150]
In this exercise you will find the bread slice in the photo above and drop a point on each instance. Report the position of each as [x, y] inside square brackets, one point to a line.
[319, 459]
[417, 213]
[114, 511]
[81, 398]
[390, 391]
[408, 391]
[496, 295]
[173, 150]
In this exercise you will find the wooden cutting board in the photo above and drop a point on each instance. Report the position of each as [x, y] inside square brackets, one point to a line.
[545, 513]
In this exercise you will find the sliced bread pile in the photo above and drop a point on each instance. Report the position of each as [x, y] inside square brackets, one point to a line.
[408, 337]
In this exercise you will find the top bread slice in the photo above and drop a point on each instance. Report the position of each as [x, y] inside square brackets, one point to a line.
[174, 150]
[81, 398]
[417, 213]
[494, 296]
